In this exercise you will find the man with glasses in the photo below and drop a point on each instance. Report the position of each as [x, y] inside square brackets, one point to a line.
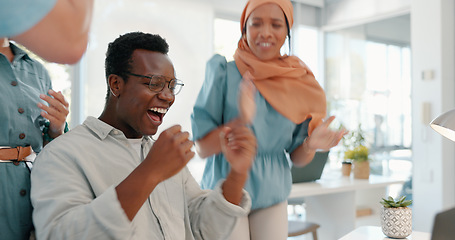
[107, 179]
[158, 82]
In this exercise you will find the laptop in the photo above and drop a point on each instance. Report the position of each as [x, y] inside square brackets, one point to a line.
[444, 225]
[312, 171]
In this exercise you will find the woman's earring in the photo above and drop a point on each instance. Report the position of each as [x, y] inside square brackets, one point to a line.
[112, 92]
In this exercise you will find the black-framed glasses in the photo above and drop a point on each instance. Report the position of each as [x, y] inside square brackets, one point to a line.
[157, 83]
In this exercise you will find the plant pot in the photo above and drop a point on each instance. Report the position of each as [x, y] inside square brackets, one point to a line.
[346, 169]
[362, 170]
[396, 222]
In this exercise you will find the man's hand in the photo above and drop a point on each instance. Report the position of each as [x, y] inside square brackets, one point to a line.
[239, 147]
[170, 153]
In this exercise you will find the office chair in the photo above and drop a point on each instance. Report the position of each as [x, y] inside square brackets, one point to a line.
[298, 228]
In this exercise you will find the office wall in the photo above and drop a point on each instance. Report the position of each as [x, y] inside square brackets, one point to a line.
[432, 43]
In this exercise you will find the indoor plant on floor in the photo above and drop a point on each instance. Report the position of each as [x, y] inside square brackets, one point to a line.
[396, 217]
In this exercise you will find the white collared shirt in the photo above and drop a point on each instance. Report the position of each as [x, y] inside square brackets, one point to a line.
[74, 197]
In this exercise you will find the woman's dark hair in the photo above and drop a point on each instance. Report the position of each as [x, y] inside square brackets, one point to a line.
[119, 52]
[287, 25]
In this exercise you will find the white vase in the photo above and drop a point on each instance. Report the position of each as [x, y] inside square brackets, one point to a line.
[396, 222]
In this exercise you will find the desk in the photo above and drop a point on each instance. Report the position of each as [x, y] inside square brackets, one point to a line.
[375, 233]
[331, 201]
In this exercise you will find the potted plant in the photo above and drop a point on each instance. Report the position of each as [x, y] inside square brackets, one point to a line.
[346, 167]
[358, 154]
[359, 157]
[396, 217]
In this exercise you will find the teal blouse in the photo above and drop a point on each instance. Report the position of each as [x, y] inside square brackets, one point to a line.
[269, 180]
[22, 81]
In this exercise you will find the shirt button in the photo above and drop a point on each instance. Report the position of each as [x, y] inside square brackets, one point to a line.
[22, 135]
[21, 110]
[23, 192]
[14, 83]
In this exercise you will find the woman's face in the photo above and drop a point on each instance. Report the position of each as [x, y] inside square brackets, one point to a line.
[266, 31]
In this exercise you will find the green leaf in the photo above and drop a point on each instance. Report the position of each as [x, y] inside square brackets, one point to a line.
[406, 203]
[401, 199]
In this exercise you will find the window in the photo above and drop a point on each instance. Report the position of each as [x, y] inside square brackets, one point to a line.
[369, 83]
[305, 45]
[226, 34]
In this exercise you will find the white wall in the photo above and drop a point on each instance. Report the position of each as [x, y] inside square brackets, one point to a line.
[432, 41]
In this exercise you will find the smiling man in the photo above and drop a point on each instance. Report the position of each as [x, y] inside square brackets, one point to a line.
[108, 179]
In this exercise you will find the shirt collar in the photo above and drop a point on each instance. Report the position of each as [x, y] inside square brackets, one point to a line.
[100, 128]
[18, 52]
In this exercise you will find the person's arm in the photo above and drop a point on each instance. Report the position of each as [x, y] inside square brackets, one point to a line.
[210, 143]
[69, 195]
[303, 154]
[62, 35]
[321, 138]
[213, 213]
[169, 155]
[239, 147]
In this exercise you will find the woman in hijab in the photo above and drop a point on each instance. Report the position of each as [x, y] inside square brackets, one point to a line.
[289, 104]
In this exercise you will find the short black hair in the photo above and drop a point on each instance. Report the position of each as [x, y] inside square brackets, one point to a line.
[119, 52]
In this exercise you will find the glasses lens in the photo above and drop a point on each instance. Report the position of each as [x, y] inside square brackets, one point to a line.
[175, 85]
[157, 83]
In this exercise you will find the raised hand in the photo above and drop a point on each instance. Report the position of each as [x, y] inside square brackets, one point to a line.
[170, 152]
[238, 145]
[325, 138]
[247, 104]
[56, 112]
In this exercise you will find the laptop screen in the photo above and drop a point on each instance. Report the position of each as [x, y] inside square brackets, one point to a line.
[444, 225]
[312, 171]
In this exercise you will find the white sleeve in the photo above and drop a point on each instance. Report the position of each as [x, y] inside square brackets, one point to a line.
[211, 215]
[65, 207]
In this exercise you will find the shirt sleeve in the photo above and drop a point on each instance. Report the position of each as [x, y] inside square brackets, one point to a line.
[16, 17]
[208, 109]
[211, 215]
[66, 208]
